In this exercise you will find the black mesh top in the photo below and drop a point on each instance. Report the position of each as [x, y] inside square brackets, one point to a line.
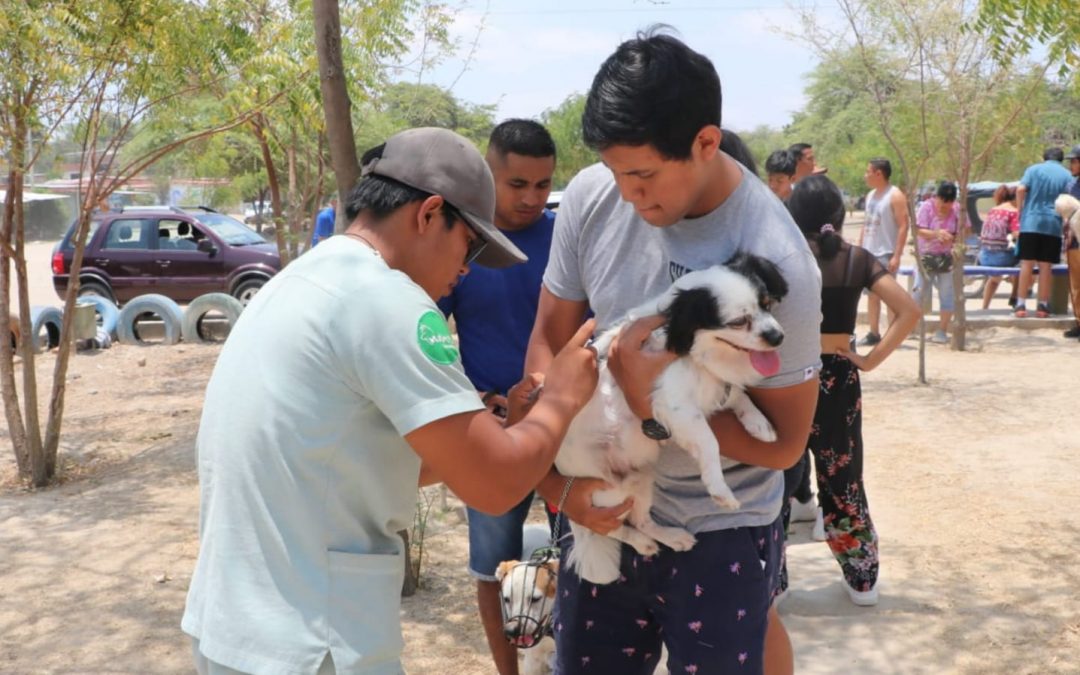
[843, 278]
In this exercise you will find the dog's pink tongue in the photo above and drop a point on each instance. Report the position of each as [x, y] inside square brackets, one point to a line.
[766, 363]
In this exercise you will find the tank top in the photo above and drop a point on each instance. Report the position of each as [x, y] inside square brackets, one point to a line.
[881, 227]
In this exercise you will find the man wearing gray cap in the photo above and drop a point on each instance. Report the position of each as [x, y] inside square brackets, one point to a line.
[338, 390]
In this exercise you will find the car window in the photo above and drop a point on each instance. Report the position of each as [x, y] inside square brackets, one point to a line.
[231, 230]
[69, 240]
[178, 235]
[127, 233]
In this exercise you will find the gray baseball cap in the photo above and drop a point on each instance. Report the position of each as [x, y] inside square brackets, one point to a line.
[447, 164]
[1074, 153]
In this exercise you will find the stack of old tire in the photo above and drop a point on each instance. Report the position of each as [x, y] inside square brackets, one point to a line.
[123, 324]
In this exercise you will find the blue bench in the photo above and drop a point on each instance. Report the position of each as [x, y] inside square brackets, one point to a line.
[1059, 289]
[982, 270]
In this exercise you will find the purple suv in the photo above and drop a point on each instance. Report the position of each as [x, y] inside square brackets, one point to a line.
[180, 253]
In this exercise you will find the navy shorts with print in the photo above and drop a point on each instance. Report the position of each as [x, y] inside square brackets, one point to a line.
[709, 605]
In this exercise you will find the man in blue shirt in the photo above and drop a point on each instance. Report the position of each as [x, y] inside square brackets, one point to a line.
[494, 310]
[324, 223]
[1040, 226]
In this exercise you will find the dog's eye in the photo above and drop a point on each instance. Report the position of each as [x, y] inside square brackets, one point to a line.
[740, 322]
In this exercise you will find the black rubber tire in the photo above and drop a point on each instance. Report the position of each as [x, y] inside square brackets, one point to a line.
[200, 306]
[51, 319]
[91, 287]
[246, 289]
[151, 303]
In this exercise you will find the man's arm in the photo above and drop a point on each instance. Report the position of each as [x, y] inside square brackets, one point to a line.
[1021, 194]
[556, 321]
[491, 468]
[900, 215]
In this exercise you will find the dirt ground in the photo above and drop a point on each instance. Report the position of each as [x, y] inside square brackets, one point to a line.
[972, 482]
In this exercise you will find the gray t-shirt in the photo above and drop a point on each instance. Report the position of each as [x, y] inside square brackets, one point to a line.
[605, 254]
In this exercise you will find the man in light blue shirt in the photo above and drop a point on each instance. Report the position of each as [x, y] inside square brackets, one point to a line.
[1040, 226]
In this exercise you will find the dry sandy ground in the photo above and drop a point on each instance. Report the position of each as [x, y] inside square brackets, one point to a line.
[972, 482]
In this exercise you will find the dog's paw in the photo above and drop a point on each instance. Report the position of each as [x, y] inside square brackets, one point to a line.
[680, 540]
[646, 547]
[727, 501]
[759, 427]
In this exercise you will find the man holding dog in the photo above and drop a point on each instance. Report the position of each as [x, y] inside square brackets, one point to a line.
[337, 391]
[494, 310]
[665, 201]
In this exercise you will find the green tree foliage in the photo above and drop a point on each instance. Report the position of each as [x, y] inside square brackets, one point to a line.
[564, 124]
[407, 104]
[1014, 27]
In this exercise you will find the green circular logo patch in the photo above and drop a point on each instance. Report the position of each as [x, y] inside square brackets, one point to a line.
[433, 336]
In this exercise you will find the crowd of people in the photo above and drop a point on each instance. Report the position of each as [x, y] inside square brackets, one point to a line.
[311, 444]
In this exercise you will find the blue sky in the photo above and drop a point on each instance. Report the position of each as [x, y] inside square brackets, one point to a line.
[530, 56]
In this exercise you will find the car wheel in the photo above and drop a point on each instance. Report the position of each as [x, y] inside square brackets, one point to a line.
[192, 328]
[246, 289]
[96, 288]
[146, 305]
[47, 319]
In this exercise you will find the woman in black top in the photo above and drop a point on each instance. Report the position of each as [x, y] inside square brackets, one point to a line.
[836, 436]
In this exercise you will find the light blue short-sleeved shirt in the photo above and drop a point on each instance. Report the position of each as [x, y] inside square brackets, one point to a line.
[304, 474]
[1044, 182]
[603, 252]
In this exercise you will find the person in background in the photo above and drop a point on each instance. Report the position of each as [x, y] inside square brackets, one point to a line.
[324, 223]
[884, 233]
[309, 469]
[1001, 223]
[494, 310]
[779, 172]
[836, 436]
[1072, 244]
[806, 163]
[1040, 227]
[936, 226]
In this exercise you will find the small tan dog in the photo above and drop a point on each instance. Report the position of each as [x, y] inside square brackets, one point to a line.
[528, 596]
[1068, 207]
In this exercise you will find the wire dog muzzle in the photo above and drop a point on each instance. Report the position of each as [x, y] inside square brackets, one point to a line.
[527, 613]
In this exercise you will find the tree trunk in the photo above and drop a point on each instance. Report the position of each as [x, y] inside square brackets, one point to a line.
[16, 429]
[259, 126]
[412, 581]
[294, 209]
[959, 336]
[337, 107]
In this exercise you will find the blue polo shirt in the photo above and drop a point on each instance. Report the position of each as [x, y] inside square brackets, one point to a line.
[1044, 182]
[495, 310]
[324, 225]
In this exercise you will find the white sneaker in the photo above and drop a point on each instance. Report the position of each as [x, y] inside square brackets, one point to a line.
[939, 338]
[862, 598]
[819, 527]
[803, 512]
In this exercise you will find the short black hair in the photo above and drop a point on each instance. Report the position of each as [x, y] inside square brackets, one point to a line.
[654, 90]
[883, 165]
[521, 137]
[815, 203]
[798, 148]
[946, 190]
[736, 148]
[780, 161]
[1054, 155]
[380, 196]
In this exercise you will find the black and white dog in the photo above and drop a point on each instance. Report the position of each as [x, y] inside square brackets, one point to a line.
[718, 322]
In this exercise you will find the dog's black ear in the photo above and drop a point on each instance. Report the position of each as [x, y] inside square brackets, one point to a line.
[763, 272]
[692, 310]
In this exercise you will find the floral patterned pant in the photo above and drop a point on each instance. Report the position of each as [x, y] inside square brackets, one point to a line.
[836, 444]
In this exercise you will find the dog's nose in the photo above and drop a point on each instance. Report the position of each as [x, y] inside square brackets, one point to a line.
[773, 337]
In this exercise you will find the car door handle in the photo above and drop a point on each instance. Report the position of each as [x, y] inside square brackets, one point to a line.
[101, 262]
[163, 263]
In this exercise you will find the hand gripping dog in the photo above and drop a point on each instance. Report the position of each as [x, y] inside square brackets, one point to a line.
[718, 322]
